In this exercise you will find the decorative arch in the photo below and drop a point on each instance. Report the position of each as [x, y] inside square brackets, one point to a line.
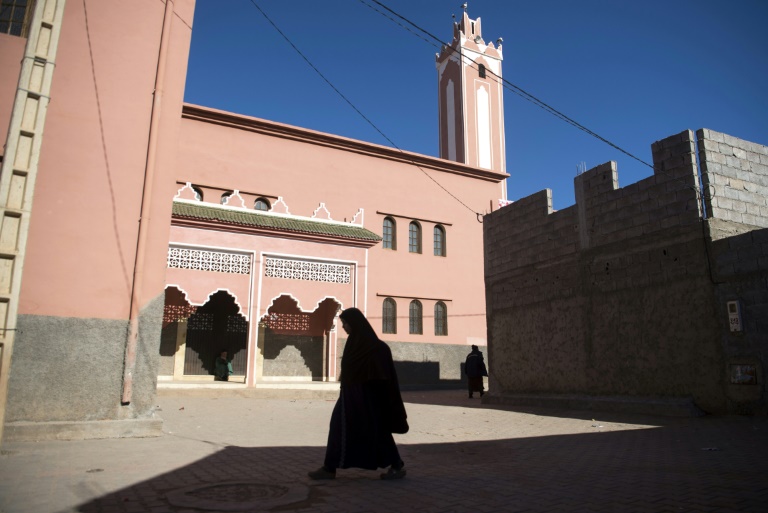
[298, 303]
[294, 343]
[186, 295]
[216, 326]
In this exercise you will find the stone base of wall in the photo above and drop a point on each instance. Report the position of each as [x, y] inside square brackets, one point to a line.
[37, 431]
[671, 407]
[66, 378]
[430, 364]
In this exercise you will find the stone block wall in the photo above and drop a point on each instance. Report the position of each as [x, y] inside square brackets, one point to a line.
[735, 178]
[612, 299]
[740, 269]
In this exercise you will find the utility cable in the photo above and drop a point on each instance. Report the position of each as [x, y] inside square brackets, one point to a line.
[358, 110]
[516, 89]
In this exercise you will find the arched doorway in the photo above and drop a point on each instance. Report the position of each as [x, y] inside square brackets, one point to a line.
[174, 331]
[296, 345]
[215, 327]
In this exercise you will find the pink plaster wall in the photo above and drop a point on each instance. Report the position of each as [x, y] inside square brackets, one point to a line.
[85, 222]
[11, 52]
[307, 168]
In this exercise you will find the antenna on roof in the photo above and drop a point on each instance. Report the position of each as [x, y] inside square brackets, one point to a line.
[581, 167]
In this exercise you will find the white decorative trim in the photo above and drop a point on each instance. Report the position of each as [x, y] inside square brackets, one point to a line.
[295, 269]
[187, 297]
[280, 210]
[355, 219]
[205, 260]
[188, 188]
[298, 304]
[234, 200]
[325, 213]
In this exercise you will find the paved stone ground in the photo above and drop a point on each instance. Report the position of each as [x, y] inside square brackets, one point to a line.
[245, 451]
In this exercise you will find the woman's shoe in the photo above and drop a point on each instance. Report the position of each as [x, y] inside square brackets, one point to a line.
[322, 473]
[393, 473]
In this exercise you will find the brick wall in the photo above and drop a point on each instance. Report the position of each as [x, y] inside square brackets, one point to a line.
[614, 298]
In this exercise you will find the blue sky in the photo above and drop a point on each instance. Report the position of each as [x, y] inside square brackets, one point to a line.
[632, 71]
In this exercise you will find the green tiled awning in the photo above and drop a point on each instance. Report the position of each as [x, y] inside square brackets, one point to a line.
[262, 221]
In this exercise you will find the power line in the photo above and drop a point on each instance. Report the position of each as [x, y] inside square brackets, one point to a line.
[288, 40]
[509, 85]
[526, 95]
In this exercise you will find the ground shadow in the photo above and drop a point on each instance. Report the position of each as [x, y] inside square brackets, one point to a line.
[654, 469]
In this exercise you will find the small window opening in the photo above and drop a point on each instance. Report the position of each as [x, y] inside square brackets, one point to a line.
[262, 204]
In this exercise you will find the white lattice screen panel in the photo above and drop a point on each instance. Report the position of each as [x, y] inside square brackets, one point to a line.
[305, 270]
[203, 260]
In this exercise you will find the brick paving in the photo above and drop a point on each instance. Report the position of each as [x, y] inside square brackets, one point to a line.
[461, 456]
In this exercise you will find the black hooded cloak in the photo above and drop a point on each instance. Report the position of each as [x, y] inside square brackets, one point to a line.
[370, 407]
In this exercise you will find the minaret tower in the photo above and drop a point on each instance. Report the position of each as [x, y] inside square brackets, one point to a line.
[471, 103]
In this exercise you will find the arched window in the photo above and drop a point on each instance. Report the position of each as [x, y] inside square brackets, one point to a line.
[389, 234]
[481, 70]
[389, 316]
[414, 237]
[441, 319]
[439, 241]
[262, 204]
[198, 193]
[225, 197]
[414, 318]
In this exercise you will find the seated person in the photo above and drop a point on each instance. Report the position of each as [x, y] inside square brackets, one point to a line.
[222, 368]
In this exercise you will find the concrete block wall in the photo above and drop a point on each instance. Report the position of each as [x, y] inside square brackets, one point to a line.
[740, 269]
[609, 298]
[734, 177]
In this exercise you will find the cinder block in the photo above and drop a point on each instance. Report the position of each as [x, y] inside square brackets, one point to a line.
[759, 168]
[715, 136]
[746, 165]
[709, 145]
[723, 202]
[750, 219]
[732, 141]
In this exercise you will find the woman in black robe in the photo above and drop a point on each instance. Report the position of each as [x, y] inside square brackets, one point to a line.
[369, 408]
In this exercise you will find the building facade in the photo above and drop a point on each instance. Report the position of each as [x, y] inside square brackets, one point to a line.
[141, 236]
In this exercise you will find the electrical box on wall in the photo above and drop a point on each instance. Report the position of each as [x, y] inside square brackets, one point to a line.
[734, 316]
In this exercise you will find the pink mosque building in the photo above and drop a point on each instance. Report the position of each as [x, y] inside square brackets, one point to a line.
[141, 236]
